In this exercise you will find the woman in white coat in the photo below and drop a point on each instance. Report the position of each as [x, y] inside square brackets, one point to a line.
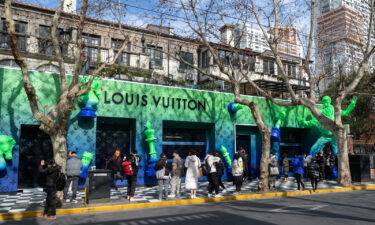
[192, 164]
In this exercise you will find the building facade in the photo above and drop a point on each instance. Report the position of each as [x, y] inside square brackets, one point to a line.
[183, 119]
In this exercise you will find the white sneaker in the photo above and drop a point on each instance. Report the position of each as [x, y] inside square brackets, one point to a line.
[67, 200]
[74, 201]
[209, 195]
[171, 196]
[219, 195]
[132, 199]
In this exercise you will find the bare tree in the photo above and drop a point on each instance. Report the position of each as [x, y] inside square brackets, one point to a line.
[54, 123]
[335, 126]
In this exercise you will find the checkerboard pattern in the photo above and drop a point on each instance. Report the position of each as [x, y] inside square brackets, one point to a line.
[33, 199]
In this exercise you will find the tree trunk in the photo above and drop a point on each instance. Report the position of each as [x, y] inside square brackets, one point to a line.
[264, 162]
[58, 140]
[344, 178]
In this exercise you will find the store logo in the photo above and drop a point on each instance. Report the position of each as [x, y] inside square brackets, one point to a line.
[157, 101]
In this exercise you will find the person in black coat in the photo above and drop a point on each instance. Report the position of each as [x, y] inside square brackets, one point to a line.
[115, 166]
[245, 159]
[314, 171]
[135, 159]
[51, 173]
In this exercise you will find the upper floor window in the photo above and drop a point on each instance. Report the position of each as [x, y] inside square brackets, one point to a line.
[124, 57]
[45, 45]
[269, 66]
[187, 57]
[91, 49]
[20, 28]
[290, 70]
[205, 59]
[156, 56]
[236, 59]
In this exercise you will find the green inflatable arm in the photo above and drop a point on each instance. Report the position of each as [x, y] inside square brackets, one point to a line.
[6, 146]
[280, 117]
[225, 154]
[350, 108]
[86, 158]
[150, 138]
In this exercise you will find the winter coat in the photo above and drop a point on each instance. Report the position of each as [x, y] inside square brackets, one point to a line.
[51, 174]
[286, 165]
[115, 165]
[245, 159]
[177, 166]
[237, 167]
[298, 165]
[313, 169]
[162, 163]
[192, 163]
[73, 166]
[212, 161]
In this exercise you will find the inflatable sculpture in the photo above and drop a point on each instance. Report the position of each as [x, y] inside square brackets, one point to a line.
[90, 99]
[275, 132]
[224, 152]
[6, 147]
[150, 138]
[234, 107]
[86, 160]
[327, 136]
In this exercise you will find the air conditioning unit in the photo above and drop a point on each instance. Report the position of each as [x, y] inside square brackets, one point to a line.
[190, 76]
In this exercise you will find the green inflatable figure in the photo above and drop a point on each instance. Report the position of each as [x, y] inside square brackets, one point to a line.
[276, 133]
[226, 156]
[150, 138]
[6, 147]
[327, 136]
[90, 99]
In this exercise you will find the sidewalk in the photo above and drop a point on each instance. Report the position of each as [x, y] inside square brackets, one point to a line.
[33, 199]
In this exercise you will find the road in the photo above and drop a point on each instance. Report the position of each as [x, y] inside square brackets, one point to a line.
[356, 207]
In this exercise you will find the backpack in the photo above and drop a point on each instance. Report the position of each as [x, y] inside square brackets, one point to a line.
[127, 168]
[60, 181]
[205, 168]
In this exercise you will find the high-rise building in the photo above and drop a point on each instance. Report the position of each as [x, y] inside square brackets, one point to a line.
[341, 28]
[254, 39]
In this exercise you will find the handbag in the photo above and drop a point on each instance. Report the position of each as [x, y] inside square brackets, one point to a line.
[274, 170]
[160, 174]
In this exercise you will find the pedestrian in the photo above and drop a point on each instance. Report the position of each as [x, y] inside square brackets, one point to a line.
[306, 161]
[220, 172]
[177, 167]
[115, 167]
[273, 170]
[51, 172]
[320, 161]
[162, 175]
[245, 159]
[298, 171]
[313, 170]
[213, 183]
[285, 164]
[130, 167]
[237, 171]
[73, 170]
[328, 165]
[192, 163]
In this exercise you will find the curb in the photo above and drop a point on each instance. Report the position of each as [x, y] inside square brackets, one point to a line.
[33, 214]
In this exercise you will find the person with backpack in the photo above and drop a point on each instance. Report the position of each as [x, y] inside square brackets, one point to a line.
[192, 163]
[130, 167]
[73, 170]
[237, 171]
[313, 171]
[213, 183]
[115, 167]
[52, 173]
[162, 175]
[177, 167]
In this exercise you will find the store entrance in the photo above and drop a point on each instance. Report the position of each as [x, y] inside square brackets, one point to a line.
[113, 134]
[35, 146]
